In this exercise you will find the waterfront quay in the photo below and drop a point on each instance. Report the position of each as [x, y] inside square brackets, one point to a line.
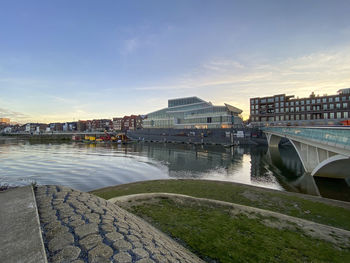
[68, 225]
[220, 136]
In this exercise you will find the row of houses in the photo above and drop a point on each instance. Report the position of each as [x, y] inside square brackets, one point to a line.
[125, 123]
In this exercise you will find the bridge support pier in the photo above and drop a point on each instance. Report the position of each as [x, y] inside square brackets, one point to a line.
[315, 160]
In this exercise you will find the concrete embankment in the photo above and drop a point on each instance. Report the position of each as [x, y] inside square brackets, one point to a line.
[21, 239]
[243, 136]
[78, 227]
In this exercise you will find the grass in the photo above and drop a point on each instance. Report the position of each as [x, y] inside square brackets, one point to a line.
[313, 209]
[216, 236]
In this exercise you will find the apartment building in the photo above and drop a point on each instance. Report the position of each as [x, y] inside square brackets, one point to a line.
[281, 109]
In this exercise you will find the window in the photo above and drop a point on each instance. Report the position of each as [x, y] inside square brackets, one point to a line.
[252, 107]
[336, 99]
[302, 116]
[297, 117]
[282, 118]
[287, 117]
[276, 104]
[331, 106]
[256, 101]
[308, 108]
[313, 101]
[318, 100]
[270, 100]
[345, 105]
[277, 110]
[330, 99]
[292, 117]
[307, 101]
[287, 109]
[331, 115]
[308, 116]
[292, 109]
[325, 115]
[324, 100]
[338, 105]
[292, 103]
[325, 106]
[343, 98]
[302, 108]
[263, 101]
[302, 102]
[277, 118]
[282, 104]
[338, 115]
[297, 109]
[282, 110]
[297, 102]
[281, 98]
[256, 107]
[287, 103]
[277, 99]
[346, 115]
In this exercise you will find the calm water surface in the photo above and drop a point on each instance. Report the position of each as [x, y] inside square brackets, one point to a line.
[90, 166]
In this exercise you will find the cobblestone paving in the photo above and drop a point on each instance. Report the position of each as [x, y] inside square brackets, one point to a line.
[80, 227]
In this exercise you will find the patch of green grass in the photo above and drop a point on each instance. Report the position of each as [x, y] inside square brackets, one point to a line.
[309, 208]
[215, 236]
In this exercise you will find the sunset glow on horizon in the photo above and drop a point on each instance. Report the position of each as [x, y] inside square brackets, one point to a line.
[77, 60]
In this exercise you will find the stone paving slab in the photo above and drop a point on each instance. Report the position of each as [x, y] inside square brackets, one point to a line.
[80, 227]
[20, 235]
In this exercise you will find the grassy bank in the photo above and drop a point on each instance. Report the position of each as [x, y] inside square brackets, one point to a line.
[309, 208]
[216, 235]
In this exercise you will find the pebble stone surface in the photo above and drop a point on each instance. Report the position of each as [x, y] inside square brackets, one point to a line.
[80, 227]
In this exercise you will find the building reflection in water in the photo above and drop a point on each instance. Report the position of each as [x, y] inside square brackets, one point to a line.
[287, 167]
[255, 165]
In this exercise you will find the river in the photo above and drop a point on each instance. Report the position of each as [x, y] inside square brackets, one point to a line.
[90, 166]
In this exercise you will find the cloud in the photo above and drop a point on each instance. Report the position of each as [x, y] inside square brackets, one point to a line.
[235, 82]
[129, 46]
[13, 115]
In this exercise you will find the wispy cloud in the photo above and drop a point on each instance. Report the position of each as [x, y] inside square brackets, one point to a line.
[129, 46]
[235, 82]
[13, 115]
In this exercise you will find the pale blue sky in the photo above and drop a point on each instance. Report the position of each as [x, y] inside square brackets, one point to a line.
[70, 60]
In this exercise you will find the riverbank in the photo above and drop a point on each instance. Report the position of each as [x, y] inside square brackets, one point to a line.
[216, 221]
[316, 209]
[230, 222]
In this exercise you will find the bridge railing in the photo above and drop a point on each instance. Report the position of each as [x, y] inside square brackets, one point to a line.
[331, 136]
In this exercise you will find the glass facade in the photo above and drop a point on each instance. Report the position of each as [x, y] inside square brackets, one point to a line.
[193, 113]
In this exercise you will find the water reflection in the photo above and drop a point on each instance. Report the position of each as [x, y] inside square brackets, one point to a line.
[285, 163]
[90, 166]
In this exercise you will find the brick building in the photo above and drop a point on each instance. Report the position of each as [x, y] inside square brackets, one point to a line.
[132, 122]
[281, 109]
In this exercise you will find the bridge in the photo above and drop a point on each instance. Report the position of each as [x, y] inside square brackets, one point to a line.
[323, 151]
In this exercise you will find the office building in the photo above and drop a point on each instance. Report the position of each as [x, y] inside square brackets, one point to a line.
[193, 113]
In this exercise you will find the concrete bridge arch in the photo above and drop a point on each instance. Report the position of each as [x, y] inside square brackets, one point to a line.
[318, 158]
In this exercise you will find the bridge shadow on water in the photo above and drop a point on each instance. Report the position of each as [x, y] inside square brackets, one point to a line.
[287, 167]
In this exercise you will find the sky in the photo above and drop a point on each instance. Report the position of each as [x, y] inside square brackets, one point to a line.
[66, 60]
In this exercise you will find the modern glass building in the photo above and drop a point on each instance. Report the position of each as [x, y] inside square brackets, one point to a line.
[193, 113]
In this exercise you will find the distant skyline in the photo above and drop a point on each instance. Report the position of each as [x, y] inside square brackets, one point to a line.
[70, 60]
